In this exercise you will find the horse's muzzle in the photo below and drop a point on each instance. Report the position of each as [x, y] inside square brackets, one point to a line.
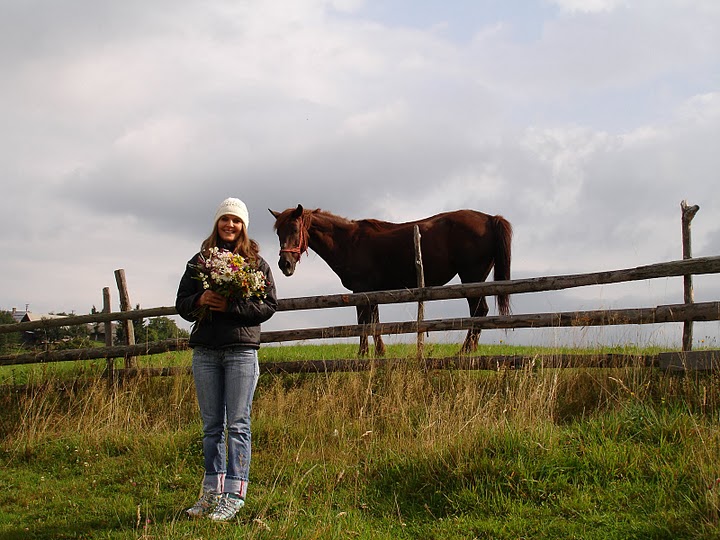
[286, 266]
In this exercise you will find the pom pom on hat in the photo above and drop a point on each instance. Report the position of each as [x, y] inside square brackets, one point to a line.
[234, 207]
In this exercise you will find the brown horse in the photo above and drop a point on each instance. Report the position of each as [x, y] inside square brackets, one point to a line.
[371, 255]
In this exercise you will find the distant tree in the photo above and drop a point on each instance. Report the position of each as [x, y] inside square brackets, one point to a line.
[97, 328]
[162, 328]
[138, 329]
[68, 337]
[72, 332]
[11, 340]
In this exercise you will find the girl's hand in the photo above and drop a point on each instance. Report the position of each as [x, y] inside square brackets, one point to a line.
[213, 300]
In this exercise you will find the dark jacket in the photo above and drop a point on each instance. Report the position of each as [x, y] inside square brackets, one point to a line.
[239, 325]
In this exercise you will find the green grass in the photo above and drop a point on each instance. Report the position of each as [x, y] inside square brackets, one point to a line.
[396, 453]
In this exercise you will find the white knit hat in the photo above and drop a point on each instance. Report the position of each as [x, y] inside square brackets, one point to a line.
[234, 207]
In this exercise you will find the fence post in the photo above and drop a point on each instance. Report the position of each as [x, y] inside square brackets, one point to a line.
[130, 361]
[420, 283]
[688, 213]
[107, 326]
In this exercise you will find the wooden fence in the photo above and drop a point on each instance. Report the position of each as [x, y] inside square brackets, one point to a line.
[684, 313]
[687, 313]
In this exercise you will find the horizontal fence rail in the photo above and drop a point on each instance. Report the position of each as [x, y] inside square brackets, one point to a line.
[94, 353]
[669, 361]
[72, 320]
[700, 265]
[705, 311]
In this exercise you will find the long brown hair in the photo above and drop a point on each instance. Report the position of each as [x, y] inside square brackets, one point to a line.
[245, 246]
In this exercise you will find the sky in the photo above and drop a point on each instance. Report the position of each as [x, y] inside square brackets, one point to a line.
[585, 123]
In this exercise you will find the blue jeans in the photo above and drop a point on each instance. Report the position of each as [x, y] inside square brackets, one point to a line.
[225, 381]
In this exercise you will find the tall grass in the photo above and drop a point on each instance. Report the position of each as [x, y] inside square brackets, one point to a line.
[389, 453]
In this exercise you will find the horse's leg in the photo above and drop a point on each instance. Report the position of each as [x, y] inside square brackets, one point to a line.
[377, 337]
[363, 317]
[475, 272]
[478, 308]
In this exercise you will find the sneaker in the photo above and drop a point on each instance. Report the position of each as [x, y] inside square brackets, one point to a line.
[204, 505]
[227, 507]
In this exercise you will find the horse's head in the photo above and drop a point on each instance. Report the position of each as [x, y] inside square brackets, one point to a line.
[293, 235]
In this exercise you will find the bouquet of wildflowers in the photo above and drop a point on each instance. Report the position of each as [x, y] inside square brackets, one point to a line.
[229, 274]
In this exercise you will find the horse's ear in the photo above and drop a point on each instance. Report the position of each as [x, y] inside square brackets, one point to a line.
[274, 213]
[297, 212]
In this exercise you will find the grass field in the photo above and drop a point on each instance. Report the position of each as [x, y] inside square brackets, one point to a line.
[385, 454]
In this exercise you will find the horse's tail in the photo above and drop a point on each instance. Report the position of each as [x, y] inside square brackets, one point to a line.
[502, 256]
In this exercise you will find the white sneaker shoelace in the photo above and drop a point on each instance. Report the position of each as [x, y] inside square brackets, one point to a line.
[227, 508]
[204, 505]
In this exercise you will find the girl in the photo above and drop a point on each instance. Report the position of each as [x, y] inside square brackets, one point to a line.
[225, 339]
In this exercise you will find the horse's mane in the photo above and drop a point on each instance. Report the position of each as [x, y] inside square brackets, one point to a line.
[367, 224]
[329, 215]
[284, 217]
[374, 224]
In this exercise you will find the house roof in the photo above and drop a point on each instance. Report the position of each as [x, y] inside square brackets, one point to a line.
[27, 316]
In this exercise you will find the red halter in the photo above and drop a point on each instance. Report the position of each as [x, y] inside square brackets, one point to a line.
[302, 247]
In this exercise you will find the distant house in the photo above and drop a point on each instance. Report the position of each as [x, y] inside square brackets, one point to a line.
[39, 335]
[25, 316]
[39, 316]
[96, 331]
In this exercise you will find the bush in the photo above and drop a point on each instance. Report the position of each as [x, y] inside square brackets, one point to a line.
[11, 341]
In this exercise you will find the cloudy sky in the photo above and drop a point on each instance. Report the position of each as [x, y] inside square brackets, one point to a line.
[584, 122]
